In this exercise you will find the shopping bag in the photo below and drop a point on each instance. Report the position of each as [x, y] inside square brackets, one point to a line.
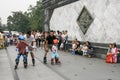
[109, 58]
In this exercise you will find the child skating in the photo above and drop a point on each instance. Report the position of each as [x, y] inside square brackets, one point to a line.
[21, 48]
[55, 56]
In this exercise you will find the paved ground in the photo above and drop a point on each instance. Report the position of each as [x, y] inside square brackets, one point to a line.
[73, 67]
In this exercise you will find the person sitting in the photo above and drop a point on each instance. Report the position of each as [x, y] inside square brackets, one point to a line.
[112, 53]
[87, 49]
[74, 46]
[78, 49]
[84, 49]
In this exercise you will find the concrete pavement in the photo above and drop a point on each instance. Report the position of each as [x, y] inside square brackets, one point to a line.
[38, 72]
[73, 67]
[5, 68]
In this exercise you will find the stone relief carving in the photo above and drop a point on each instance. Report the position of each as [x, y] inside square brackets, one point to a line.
[84, 20]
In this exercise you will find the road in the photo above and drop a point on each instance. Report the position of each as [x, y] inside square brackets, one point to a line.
[73, 67]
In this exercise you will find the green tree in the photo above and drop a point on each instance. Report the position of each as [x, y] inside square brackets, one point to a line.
[35, 15]
[18, 21]
[29, 20]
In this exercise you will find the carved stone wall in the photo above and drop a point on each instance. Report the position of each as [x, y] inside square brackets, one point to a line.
[84, 20]
[104, 28]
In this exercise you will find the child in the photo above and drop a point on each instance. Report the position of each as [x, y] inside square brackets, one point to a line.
[109, 54]
[84, 49]
[55, 55]
[21, 48]
[115, 52]
[73, 47]
[112, 54]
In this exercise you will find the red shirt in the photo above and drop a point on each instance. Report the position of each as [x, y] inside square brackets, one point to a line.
[22, 47]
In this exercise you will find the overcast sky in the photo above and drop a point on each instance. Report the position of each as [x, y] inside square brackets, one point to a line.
[7, 6]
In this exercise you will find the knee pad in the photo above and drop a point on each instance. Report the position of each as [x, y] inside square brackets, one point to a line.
[17, 60]
[25, 61]
[52, 60]
[56, 59]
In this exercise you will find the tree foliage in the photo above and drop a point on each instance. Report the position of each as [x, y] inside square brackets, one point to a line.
[18, 21]
[28, 20]
[35, 14]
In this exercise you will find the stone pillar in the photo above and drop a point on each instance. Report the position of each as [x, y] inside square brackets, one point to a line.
[46, 19]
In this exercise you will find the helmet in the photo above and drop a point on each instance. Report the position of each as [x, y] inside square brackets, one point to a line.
[21, 37]
[55, 41]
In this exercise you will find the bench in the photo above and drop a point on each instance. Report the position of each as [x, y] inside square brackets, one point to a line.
[100, 49]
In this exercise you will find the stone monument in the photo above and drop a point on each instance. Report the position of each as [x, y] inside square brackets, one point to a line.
[87, 20]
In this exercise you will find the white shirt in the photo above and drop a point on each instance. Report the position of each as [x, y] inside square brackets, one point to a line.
[30, 39]
[37, 35]
[54, 48]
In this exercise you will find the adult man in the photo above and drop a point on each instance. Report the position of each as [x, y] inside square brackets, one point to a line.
[48, 44]
[31, 41]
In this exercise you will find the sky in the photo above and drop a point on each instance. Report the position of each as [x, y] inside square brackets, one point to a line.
[7, 6]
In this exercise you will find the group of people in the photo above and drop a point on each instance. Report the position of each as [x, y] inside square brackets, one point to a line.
[7, 39]
[112, 53]
[27, 42]
[62, 36]
[85, 49]
[25, 45]
[55, 41]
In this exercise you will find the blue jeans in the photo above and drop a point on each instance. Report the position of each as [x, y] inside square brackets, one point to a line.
[73, 52]
[24, 58]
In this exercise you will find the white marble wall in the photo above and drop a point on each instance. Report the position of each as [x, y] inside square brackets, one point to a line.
[105, 27]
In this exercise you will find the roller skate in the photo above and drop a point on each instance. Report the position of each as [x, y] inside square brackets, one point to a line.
[25, 63]
[57, 61]
[33, 61]
[45, 60]
[52, 61]
[17, 62]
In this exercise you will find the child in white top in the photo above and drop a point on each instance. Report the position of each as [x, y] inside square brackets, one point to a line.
[84, 49]
[73, 47]
[55, 55]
